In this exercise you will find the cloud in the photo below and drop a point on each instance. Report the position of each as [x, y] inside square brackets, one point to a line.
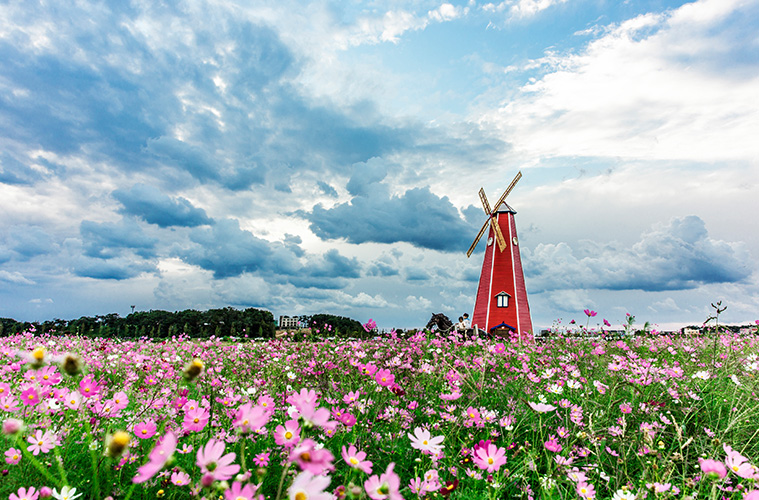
[327, 189]
[417, 274]
[417, 216]
[521, 8]
[107, 239]
[673, 85]
[418, 303]
[31, 241]
[679, 255]
[119, 268]
[150, 204]
[14, 277]
[228, 250]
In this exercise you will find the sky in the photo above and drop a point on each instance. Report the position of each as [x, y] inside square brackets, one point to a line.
[325, 156]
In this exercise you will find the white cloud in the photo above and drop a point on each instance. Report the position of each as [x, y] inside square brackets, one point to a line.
[658, 86]
[418, 303]
[521, 8]
[15, 277]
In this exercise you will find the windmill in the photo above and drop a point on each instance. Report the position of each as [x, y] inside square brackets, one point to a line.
[501, 303]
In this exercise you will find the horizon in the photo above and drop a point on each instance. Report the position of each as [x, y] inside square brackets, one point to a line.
[308, 155]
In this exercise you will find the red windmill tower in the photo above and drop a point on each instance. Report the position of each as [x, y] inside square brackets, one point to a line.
[501, 305]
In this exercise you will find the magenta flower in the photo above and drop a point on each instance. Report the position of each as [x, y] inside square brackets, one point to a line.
[552, 445]
[709, 466]
[589, 313]
[25, 494]
[48, 376]
[606, 323]
[348, 420]
[489, 458]
[13, 456]
[384, 377]
[30, 397]
[162, 452]
[145, 430]
[211, 461]
[261, 459]
[307, 485]
[41, 442]
[287, 435]
[88, 387]
[370, 325]
[240, 492]
[356, 459]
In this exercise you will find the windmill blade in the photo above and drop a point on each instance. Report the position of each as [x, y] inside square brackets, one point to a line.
[477, 239]
[498, 234]
[485, 204]
[508, 190]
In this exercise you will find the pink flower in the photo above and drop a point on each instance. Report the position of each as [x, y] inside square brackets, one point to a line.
[351, 397]
[120, 400]
[625, 408]
[490, 457]
[370, 325]
[25, 494]
[384, 486]
[737, 463]
[552, 445]
[752, 495]
[180, 478]
[12, 456]
[12, 426]
[41, 442]
[659, 487]
[261, 459]
[211, 461]
[250, 418]
[287, 435]
[161, 454]
[606, 323]
[9, 404]
[589, 313]
[473, 416]
[240, 492]
[348, 420]
[541, 407]
[303, 398]
[356, 459]
[307, 485]
[88, 387]
[709, 466]
[48, 376]
[384, 377]
[145, 430]
[312, 459]
[586, 490]
[73, 400]
[30, 397]
[196, 420]
[423, 440]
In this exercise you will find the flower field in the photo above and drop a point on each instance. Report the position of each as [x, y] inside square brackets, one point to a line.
[421, 417]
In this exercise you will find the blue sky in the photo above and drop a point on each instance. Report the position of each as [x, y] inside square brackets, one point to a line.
[310, 157]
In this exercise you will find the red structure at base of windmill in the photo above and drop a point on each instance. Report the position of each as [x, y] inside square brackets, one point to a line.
[501, 307]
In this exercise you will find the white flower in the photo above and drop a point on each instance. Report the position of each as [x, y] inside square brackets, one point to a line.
[703, 375]
[67, 493]
[573, 384]
[735, 379]
[623, 495]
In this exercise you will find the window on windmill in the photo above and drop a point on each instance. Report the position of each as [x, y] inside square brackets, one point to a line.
[502, 299]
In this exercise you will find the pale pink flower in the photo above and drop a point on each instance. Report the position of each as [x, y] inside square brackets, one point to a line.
[712, 466]
[586, 490]
[73, 400]
[552, 444]
[239, 492]
[161, 454]
[211, 461]
[306, 485]
[120, 400]
[250, 418]
[356, 459]
[423, 440]
[541, 407]
[180, 478]
[9, 403]
[88, 387]
[13, 456]
[25, 494]
[384, 378]
[41, 442]
[313, 459]
[384, 486]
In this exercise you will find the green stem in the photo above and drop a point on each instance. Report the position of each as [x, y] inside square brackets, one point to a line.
[94, 460]
[281, 481]
[41, 468]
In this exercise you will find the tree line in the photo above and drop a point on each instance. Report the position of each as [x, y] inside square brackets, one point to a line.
[158, 324]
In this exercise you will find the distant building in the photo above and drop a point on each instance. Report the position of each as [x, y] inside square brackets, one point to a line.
[288, 322]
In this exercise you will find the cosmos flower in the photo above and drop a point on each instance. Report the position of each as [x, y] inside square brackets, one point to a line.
[41, 443]
[356, 459]
[384, 486]
[423, 440]
[211, 460]
[308, 486]
[161, 453]
[287, 435]
[489, 458]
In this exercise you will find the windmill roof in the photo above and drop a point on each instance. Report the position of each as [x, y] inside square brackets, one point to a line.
[505, 208]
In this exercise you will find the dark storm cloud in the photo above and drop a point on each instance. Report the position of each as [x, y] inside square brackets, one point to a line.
[150, 204]
[112, 269]
[107, 240]
[677, 256]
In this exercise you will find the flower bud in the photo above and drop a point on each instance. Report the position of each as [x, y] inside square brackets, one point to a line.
[193, 369]
[71, 364]
[12, 426]
[117, 443]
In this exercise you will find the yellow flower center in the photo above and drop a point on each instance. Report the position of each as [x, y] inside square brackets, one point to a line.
[301, 496]
[353, 461]
[490, 460]
[31, 396]
[288, 435]
[196, 420]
